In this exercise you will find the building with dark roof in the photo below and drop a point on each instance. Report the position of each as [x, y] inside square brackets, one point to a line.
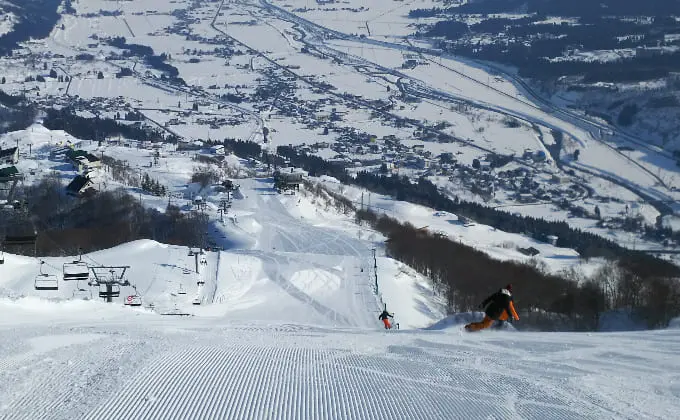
[9, 156]
[79, 186]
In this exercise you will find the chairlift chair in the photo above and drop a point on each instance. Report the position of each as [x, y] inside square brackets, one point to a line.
[76, 270]
[196, 301]
[44, 281]
[82, 293]
[181, 290]
[133, 300]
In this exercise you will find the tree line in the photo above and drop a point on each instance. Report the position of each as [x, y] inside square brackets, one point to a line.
[99, 128]
[424, 192]
[564, 301]
[574, 8]
[143, 51]
[567, 300]
[15, 113]
[109, 218]
[531, 42]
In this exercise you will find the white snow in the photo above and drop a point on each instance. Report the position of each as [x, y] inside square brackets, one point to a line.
[285, 324]
[7, 22]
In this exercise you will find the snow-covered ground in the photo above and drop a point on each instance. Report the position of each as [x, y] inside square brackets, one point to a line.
[284, 321]
[287, 324]
[7, 21]
[106, 362]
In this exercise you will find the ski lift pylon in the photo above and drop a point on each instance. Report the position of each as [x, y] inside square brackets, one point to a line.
[105, 293]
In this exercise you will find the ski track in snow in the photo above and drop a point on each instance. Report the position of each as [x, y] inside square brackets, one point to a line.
[165, 370]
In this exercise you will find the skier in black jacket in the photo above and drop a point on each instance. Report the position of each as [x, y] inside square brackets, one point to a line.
[497, 307]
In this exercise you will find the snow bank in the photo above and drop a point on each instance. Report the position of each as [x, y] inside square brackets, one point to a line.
[456, 321]
[31, 306]
[675, 323]
[408, 295]
[620, 321]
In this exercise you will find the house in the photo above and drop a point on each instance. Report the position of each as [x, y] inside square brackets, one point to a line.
[530, 252]
[82, 160]
[9, 156]
[218, 149]
[80, 186]
[467, 222]
[288, 179]
[558, 179]
[8, 173]
[526, 198]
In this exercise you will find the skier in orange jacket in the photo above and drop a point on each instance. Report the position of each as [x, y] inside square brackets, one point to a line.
[497, 307]
[385, 318]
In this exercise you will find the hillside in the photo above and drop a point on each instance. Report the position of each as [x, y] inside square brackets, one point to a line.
[285, 325]
[175, 247]
[287, 328]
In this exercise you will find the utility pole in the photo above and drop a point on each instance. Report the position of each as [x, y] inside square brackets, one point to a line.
[375, 271]
[196, 260]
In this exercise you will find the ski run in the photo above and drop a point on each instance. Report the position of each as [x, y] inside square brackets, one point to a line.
[286, 327]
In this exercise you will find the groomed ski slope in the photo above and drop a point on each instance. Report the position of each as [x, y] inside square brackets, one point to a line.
[114, 364]
[287, 329]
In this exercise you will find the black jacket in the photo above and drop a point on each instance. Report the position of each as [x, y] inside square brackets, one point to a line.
[385, 315]
[495, 304]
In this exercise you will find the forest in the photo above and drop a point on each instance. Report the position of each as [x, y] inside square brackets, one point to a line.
[36, 19]
[65, 224]
[15, 113]
[100, 128]
[157, 62]
[546, 301]
[541, 48]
